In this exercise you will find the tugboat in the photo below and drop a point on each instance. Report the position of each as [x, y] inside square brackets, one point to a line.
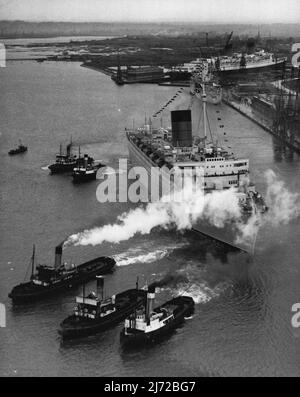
[64, 162]
[86, 170]
[94, 313]
[20, 149]
[147, 325]
[47, 280]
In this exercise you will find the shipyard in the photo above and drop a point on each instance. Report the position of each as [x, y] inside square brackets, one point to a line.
[150, 207]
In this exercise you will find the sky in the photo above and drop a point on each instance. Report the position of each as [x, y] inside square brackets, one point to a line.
[210, 11]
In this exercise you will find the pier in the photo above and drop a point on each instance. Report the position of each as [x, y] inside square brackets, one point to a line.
[248, 113]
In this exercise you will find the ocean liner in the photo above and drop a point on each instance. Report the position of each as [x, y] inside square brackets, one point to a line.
[178, 149]
[244, 63]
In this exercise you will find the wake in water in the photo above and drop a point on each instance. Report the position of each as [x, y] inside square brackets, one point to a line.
[201, 293]
[180, 283]
[125, 260]
[139, 255]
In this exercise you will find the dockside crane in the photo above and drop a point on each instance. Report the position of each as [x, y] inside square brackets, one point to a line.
[228, 45]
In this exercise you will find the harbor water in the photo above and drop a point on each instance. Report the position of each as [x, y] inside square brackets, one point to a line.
[242, 322]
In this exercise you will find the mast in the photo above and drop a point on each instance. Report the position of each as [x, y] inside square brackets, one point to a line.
[32, 261]
[204, 98]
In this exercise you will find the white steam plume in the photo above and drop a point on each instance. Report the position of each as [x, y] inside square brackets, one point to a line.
[217, 208]
[284, 206]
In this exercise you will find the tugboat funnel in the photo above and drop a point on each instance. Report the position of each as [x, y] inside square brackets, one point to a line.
[58, 256]
[85, 160]
[150, 302]
[100, 287]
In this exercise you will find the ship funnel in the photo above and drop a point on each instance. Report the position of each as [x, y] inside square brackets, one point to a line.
[58, 256]
[100, 287]
[85, 160]
[150, 302]
[182, 128]
[69, 150]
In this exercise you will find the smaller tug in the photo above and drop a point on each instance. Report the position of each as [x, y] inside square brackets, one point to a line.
[20, 149]
[48, 280]
[86, 170]
[65, 162]
[148, 324]
[94, 313]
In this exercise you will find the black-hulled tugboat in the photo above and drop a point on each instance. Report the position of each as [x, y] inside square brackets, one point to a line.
[148, 324]
[20, 149]
[47, 280]
[65, 162]
[94, 313]
[86, 170]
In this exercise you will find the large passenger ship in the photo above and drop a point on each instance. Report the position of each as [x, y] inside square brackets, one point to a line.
[177, 148]
[244, 63]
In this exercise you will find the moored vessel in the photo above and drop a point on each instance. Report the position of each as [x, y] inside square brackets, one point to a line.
[241, 63]
[149, 324]
[94, 313]
[49, 280]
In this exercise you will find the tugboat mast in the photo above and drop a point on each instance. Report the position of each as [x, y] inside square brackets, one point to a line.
[204, 99]
[33, 261]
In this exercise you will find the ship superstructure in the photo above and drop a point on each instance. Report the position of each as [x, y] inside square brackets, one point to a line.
[205, 76]
[64, 162]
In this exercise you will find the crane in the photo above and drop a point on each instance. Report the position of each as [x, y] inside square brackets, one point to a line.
[228, 45]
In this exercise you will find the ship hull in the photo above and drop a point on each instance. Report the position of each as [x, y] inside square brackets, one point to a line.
[184, 308]
[227, 234]
[62, 168]
[30, 292]
[82, 178]
[126, 303]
